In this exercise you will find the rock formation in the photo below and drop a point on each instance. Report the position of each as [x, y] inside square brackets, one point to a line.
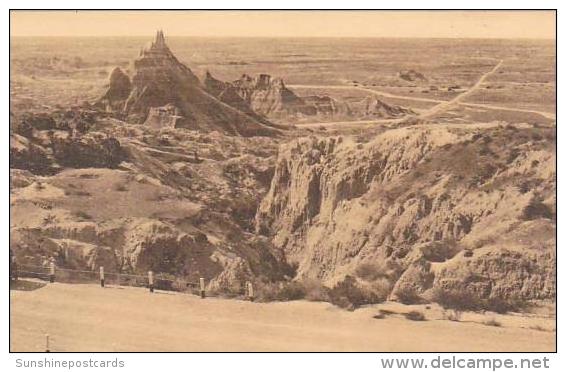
[266, 96]
[26, 155]
[133, 198]
[229, 94]
[43, 142]
[269, 97]
[420, 199]
[119, 88]
[163, 117]
[372, 107]
[159, 79]
[328, 106]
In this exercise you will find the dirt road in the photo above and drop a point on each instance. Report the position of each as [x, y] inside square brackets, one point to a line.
[441, 105]
[346, 124]
[444, 106]
[369, 90]
[89, 318]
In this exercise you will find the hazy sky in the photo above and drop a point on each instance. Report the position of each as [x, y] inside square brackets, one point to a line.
[478, 24]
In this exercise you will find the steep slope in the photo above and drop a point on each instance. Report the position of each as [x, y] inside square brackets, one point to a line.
[133, 198]
[159, 79]
[229, 94]
[269, 97]
[441, 207]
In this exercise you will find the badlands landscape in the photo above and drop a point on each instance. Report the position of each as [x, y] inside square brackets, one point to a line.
[364, 186]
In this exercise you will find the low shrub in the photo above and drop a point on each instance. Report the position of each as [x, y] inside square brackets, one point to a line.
[456, 300]
[292, 291]
[505, 305]
[540, 328]
[408, 296]
[350, 294]
[386, 312]
[492, 323]
[315, 291]
[225, 292]
[452, 315]
[468, 301]
[281, 291]
[536, 209]
[415, 315]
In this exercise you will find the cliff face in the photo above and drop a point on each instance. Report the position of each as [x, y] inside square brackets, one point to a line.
[159, 80]
[449, 207]
[270, 97]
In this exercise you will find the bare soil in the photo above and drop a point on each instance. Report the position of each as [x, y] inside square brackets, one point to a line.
[89, 318]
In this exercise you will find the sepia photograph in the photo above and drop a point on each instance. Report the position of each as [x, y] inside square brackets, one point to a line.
[282, 181]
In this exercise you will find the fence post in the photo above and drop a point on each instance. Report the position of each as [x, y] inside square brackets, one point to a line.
[46, 343]
[102, 276]
[52, 272]
[250, 291]
[150, 279]
[202, 293]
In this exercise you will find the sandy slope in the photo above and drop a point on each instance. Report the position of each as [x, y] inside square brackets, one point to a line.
[88, 318]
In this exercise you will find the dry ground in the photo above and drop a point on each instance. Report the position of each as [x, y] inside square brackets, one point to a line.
[89, 318]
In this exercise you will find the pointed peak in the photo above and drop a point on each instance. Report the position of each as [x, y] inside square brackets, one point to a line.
[156, 47]
[159, 39]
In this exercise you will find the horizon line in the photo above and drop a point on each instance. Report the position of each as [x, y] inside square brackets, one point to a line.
[304, 37]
